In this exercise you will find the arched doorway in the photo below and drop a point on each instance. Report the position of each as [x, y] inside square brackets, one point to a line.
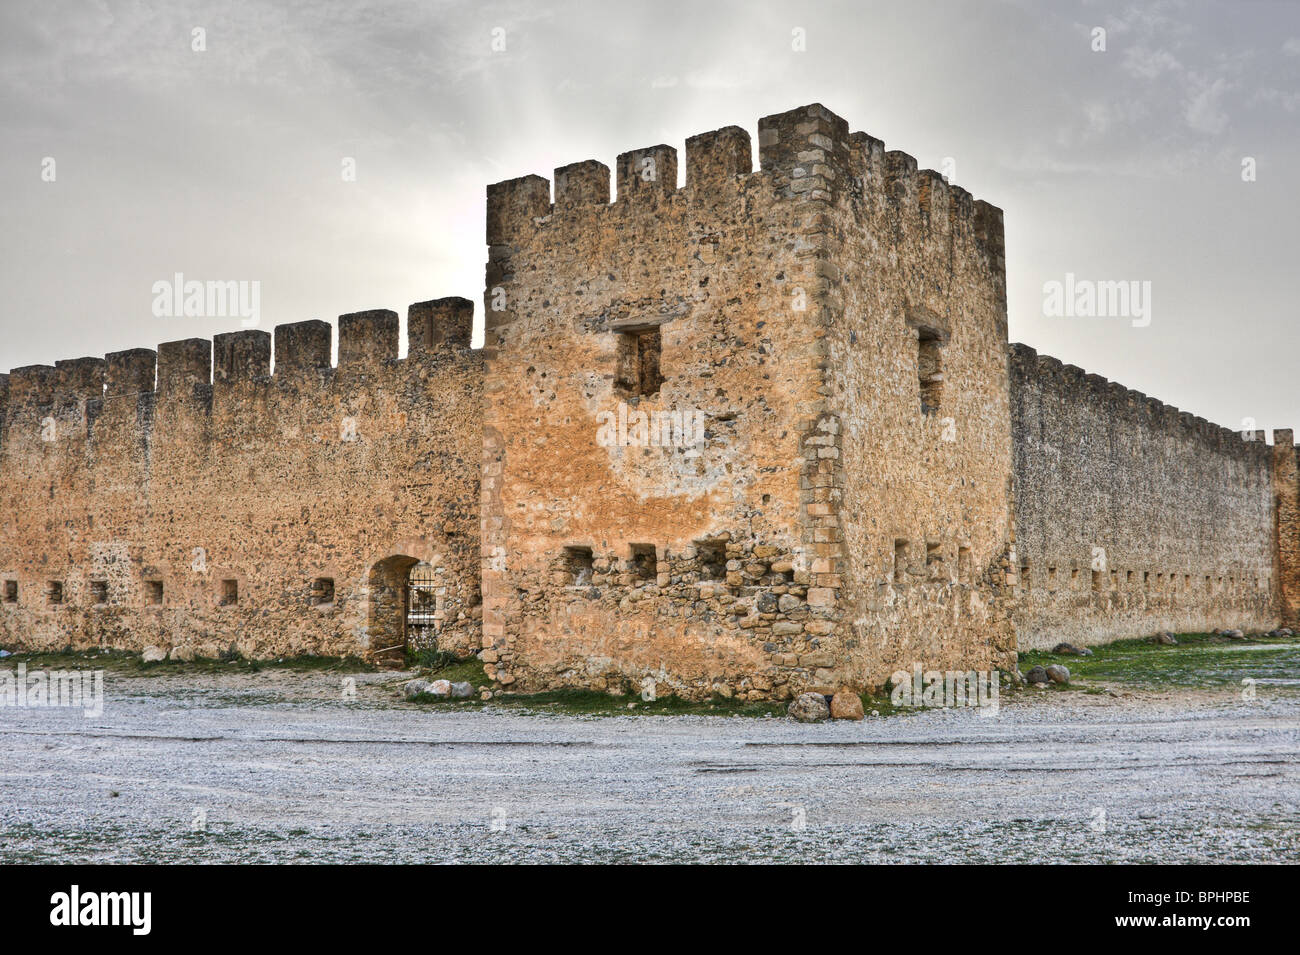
[388, 599]
[406, 608]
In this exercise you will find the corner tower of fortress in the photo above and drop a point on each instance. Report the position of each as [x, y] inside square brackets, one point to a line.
[838, 317]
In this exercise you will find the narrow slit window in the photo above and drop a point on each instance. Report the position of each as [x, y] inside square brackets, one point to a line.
[963, 564]
[1026, 581]
[153, 593]
[638, 361]
[900, 561]
[1096, 581]
[929, 364]
[933, 559]
[11, 591]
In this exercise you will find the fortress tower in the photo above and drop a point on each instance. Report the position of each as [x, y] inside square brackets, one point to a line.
[839, 319]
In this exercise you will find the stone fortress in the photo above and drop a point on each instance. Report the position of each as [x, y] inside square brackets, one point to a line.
[757, 435]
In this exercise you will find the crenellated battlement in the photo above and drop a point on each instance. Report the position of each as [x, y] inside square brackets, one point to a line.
[1122, 403]
[805, 155]
[210, 375]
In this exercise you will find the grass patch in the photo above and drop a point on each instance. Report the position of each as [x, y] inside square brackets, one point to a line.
[1198, 660]
[575, 702]
[595, 703]
[128, 663]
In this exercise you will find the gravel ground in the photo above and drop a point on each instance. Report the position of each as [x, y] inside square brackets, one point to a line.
[284, 770]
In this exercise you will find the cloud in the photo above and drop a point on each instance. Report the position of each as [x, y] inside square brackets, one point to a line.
[1147, 64]
[1204, 108]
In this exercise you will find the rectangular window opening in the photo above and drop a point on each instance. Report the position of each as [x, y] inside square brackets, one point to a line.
[929, 364]
[933, 559]
[645, 565]
[900, 561]
[54, 592]
[713, 559]
[1026, 581]
[1096, 581]
[229, 593]
[638, 362]
[578, 565]
[153, 593]
[11, 591]
[99, 592]
[322, 591]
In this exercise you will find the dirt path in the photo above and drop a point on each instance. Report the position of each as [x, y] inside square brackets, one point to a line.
[281, 766]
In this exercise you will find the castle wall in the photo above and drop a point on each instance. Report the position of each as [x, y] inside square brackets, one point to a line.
[1133, 517]
[915, 333]
[240, 493]
[757, 435]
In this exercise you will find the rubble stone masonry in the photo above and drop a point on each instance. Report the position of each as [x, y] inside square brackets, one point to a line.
[1134, 517]
[757, 434]
[192, 499]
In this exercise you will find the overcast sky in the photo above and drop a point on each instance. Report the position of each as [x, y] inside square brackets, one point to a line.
[226, 164]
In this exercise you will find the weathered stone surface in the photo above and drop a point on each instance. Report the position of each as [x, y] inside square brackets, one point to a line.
[809, 708]
[439, 688]
[153, 654]
[1058, 673]
[219, 498]
[1069, 649]
[846, 705]
[462, 691]
[414, 688]
[1037, 674]
[1196, 540]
